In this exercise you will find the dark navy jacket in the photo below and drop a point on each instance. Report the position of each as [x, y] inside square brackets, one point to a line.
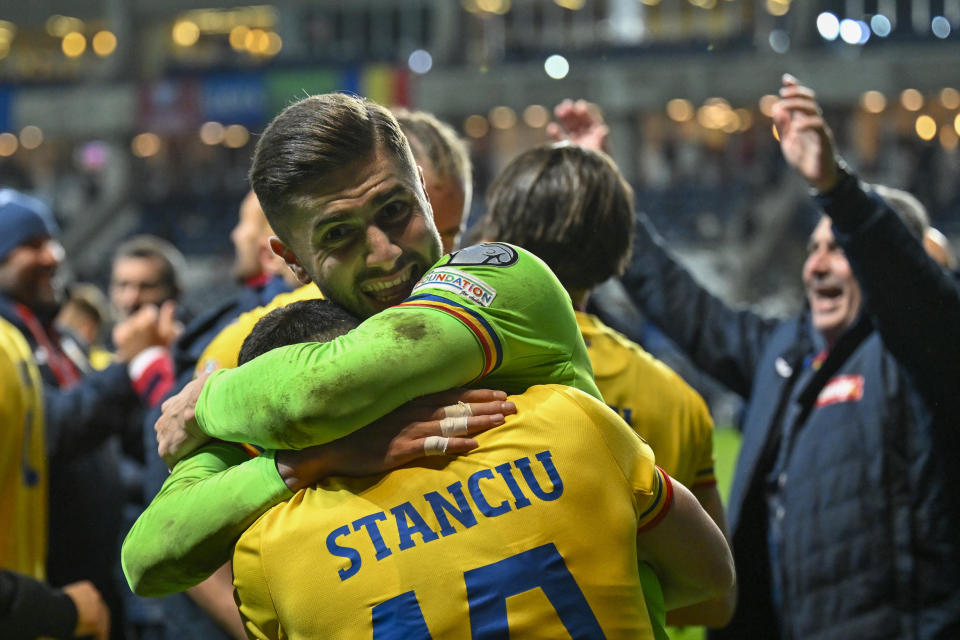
[867, 475]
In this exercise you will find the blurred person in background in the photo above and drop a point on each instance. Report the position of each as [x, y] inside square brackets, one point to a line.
[145, 270]
[447, 171]
[146, 276]
[572, 208]
[842, 512]
[85, 313]
[83, 409]
[28, 607]
[261, 272]
[207, 611]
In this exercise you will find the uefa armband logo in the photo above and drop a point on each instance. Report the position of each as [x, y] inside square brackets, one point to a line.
[460, 283]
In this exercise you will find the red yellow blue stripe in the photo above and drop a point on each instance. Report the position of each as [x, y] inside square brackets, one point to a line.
[704, 478]
[660, 505]
[487, 338]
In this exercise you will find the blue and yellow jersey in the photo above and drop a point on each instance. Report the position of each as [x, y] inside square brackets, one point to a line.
[533, 534]
[655, 401]
[23, 462]
[491, 315]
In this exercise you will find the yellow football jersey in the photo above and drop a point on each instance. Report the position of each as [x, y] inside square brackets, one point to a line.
[532, 535]
[23, 462]
[654, 400]
[223, 350]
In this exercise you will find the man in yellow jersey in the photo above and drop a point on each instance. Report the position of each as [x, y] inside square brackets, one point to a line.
[28, 607]
[570, 206]
[437, 549]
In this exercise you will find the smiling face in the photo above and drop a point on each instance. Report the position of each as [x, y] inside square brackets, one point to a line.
[365, 236]
[832, 291]
[27, 274]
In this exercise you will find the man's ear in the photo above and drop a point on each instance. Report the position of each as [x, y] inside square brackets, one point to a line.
[290, 258]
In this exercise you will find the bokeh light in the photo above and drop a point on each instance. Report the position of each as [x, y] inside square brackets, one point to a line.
[766, 104]
[911, 99]
[235, 136]
[828, 26]
[926, 127]
[536, 116]
[186, 33]
[8, 144]
[950, 98]
[145, 145]
[211, 133]
[503, 117]
[680, 110]
[31, 137]
[556, 67]
[881, 25]
[104, 43]
[940, 27]
[420, 61]
[873, 101]
[476, 126]
[73, 44]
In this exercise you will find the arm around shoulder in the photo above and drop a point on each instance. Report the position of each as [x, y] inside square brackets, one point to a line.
[189, 529]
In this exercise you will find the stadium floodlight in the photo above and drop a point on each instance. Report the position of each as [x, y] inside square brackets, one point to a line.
[851, 31]
[881, 25]
[940, 27]
[828, 25]
[420, 61]
[556, 67]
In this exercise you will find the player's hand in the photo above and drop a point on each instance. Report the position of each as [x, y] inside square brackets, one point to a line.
[177, 431]
[149, 326]
[93, 616]
[580, 123]
[413, 431]
[805, 138]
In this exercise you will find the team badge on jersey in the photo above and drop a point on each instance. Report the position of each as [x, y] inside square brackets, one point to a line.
[458, 282]
[847, 388]
[488, 254]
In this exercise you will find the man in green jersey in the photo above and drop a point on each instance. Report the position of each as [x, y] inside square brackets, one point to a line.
[338, 183]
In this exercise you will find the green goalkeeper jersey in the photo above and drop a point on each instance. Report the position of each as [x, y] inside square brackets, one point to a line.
[491, 314]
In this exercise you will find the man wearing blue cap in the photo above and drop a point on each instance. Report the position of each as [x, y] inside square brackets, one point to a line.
[82, 408]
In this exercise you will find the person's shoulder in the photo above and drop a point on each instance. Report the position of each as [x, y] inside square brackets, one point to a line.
[489, 272]
[223, 350]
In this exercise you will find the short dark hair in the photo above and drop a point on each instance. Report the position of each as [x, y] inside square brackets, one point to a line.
[315, 137]
[148, 247]
[568, 205]
[436, 141]
[303, 321]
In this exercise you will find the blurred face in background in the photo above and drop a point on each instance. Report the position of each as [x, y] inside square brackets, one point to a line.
[832, 291]
[28, 273]
[448, 201]
[249, 238]
[135, 282]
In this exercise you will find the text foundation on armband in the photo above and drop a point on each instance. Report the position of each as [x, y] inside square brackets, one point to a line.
[406, 521]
